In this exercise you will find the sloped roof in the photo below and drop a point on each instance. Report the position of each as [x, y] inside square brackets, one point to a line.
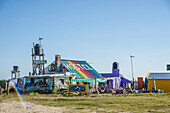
[81, 68]
[159, 75]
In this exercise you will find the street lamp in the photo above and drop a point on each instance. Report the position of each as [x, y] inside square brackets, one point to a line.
[132, 67]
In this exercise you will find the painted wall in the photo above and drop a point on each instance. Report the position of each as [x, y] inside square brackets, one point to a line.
[162, 84]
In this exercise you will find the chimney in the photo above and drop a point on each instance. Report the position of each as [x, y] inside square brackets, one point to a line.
[115, 65]
[57, 63]
[168, 67]
[115, 70]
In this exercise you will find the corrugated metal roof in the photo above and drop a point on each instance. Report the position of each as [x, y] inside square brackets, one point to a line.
[159, 75]
[47, 75]
[81, 68]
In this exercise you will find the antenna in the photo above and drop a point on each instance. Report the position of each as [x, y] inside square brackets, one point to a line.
[40, 40]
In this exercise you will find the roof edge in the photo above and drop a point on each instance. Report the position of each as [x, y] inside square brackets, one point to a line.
[73, 60]
[148, 75]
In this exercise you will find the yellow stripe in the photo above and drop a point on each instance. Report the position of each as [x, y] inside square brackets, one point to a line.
[148, 75]
[77, 69]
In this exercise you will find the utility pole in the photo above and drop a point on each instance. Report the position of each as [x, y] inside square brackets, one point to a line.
[132, 67]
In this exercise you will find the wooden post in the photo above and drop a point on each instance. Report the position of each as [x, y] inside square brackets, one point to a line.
[68, 90]
[23, 86]
[107, 87]
[54, 82]
[7, 88]
[95, 86]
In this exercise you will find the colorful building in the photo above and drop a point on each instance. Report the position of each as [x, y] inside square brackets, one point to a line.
[115, 79]
[81, 69]
[162, 80]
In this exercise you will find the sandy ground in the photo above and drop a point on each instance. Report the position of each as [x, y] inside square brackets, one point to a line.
[11, 106]
[17, 107]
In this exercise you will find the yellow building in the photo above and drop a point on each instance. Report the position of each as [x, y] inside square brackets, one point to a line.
[162, 81]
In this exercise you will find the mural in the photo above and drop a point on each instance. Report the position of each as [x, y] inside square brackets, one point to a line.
[78, 88]
[81, 68]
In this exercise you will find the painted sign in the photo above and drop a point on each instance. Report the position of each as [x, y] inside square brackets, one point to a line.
[81, 68]
[81, 88]
[39, 61]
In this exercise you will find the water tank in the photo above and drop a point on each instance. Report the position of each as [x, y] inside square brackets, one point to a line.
[168, 67]
[115, 65]
[16, 68]
[38, 49]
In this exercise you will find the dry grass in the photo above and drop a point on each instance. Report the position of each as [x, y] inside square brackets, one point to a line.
[103, 103]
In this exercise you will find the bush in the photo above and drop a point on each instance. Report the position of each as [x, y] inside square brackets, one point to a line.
[65, 94]
[53, 91]
[33, 93]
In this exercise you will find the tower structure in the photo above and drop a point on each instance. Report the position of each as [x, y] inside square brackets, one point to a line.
[15, 72]
[38, 59]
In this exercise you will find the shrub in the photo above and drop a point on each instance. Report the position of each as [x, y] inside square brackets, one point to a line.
[65, 94]
[53, 91]
[33, 93]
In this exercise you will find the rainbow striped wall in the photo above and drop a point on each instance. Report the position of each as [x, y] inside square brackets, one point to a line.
[81, 68]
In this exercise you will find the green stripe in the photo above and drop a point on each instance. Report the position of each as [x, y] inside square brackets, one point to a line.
[75, 70]
[94, 70]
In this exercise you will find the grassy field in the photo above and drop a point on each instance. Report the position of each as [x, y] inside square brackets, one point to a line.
[102, 103]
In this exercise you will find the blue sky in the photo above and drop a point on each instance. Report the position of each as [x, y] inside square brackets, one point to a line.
[98, 31]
